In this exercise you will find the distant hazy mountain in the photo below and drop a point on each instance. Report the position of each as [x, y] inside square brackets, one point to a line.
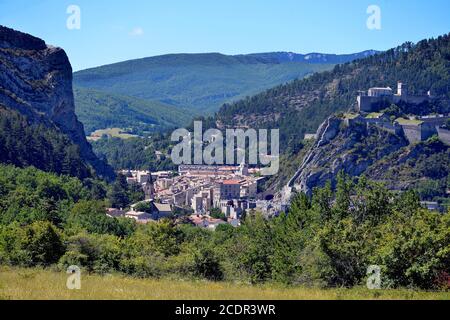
[198, 81]
[283, 57]
[203, 82]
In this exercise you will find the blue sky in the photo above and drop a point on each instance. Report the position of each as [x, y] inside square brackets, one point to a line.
[115, 30]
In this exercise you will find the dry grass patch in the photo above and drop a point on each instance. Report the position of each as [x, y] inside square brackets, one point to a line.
[32, 284]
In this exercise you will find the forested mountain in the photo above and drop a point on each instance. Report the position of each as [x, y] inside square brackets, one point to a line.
[99, 110]
[38, 124]
[26, 144]
[135, 153]
[197, 81]
[302, 105]
[51, 220]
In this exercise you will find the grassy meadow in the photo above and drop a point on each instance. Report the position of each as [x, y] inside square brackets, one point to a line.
[32, 284]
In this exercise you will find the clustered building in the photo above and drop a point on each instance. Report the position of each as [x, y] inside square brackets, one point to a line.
[197, 189]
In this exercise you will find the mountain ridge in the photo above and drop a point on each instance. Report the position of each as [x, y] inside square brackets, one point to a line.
[314, 57]
[201, 82]
[302, 106]
[268, 57]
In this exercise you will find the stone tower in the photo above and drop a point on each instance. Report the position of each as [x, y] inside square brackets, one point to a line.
[149, 188]
[243, 169]
[402, 89]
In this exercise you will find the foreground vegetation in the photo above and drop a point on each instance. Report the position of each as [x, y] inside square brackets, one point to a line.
[44, 284]
[326, 241]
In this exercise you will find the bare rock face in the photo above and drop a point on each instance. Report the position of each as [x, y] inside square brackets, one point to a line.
[36, 80]
[339, 148]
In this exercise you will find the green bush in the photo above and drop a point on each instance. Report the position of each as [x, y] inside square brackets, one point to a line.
[43, 242]
[95, 253]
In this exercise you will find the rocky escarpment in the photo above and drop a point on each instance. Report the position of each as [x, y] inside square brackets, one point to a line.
[339, 147]
[36, 81]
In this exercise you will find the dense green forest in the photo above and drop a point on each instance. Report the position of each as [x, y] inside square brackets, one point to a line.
[135, 153]
[29, 195]
[200, 82]
[302, 105]
[140, 153]
[100, 110]
[327, 241]
[45, 147]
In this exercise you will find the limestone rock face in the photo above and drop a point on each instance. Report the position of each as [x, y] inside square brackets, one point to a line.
[36, 80]
[339, 148]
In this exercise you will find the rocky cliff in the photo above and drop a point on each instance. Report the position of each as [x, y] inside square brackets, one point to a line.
[36, 81]
[379, 154]
[339, 147]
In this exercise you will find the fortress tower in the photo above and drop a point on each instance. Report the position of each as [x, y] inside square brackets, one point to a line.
[402, 89]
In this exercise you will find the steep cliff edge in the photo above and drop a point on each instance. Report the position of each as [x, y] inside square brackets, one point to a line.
[352, 149]
[379, 154]
[36, 82]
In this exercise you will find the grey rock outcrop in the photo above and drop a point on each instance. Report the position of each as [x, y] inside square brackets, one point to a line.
[36, 80]
[341, 148]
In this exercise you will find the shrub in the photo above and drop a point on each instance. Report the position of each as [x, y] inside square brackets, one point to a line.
[43, 242]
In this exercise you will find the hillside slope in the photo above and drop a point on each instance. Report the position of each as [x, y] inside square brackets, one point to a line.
[197, 81]
[39, 126]
[302, 105]
[98, 110]
[381, 156]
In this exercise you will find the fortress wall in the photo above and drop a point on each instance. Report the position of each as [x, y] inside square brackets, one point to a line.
[435, 121]
[417, 99]
[385, 125]
[364, 103]
[444, 135]
[354, 122]
[372, 104]
[395, 129]
[372, 121]
[411, 99]
[428, 130]
[412, 133]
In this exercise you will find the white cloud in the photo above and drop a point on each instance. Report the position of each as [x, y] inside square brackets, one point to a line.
[136, 32]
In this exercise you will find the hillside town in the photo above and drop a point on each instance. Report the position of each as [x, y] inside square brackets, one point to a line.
[194, 192]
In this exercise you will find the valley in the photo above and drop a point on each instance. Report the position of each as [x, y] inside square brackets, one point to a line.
[185, 85]
[363, 175]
